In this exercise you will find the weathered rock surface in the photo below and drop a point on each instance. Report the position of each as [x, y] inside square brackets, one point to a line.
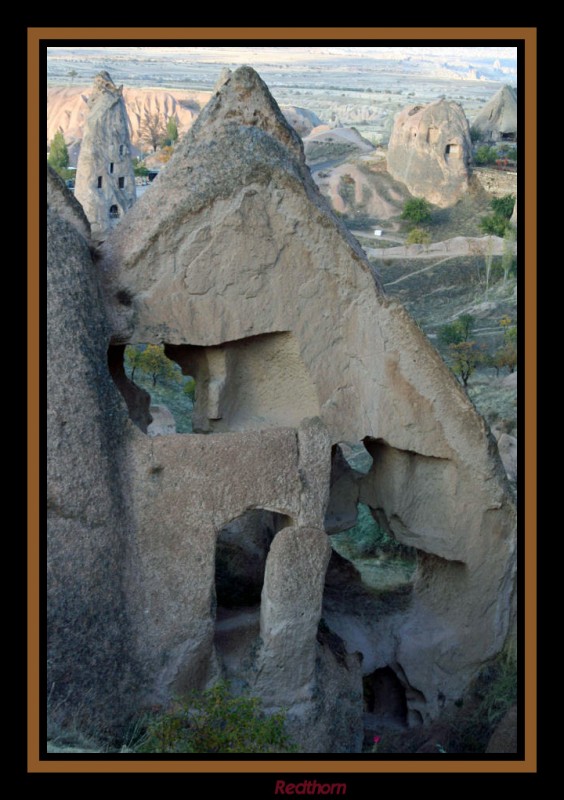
[105, 182]
[235, 262]
[91, 670]
[497, 120]
[430, 151]
[162, 423]
[61, 202]
[507, 446]
[504, 737]
[302, 120]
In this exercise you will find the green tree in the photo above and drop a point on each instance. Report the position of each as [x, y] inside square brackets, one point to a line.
[418, 236]
[72, 73]
[475, 134]
[152, 130]
[458, 331]
[172, 131]
[139, 168]
[133, 357]
[59, 155]
[347, 189]
[465, 357]
[485, 155]
[216, 722]
[503, 206]
[416, 210]
[153, 362]
[506, 356]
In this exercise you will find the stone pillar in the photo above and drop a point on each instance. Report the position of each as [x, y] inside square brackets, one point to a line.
[290, 612]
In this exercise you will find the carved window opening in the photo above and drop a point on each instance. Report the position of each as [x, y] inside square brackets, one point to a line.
[111, 167]
[99, 181]
[114, 212]
[121, 183]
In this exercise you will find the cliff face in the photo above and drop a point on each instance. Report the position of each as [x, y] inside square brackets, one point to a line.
[234, 260]
[105, 182]
[91, 673]
[431, 152]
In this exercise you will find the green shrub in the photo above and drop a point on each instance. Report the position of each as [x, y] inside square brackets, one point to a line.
[367, 539]
[216, 722]
[475, 134]
[485, 155]
[458, 331]
[494, 225]
[416, 210]
[503, 206]
[418, 236]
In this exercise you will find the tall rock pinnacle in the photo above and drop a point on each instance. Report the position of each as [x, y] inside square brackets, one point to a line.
[105, 182]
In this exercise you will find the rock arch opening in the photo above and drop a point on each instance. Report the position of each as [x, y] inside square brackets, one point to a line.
[358, 532]
[255, 383]
[159, 398]
[242, 548]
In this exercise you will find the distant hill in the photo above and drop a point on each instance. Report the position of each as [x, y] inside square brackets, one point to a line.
[67, 109]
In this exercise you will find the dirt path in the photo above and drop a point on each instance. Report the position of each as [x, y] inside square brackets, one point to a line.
[418, 271]
[387, 237]
[450, 248]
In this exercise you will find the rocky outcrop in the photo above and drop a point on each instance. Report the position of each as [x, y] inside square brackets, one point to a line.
[430, 151]
[497, 121]
[235, 262]
[61, 202]
[302, 120]
[105, 182]
[324, 143]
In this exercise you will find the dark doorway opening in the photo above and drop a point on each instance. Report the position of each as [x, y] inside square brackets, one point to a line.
[384, 699]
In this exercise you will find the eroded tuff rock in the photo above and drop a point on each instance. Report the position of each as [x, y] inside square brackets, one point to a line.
[430, 151]
[235, 262]
[497, 121]
[105, 182]
[92, 673]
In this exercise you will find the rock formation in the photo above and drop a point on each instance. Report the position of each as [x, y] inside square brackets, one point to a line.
[497, 121]
[430, 151]
[324, 143]
[302, 120]
[105, 182]
[235, 262]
